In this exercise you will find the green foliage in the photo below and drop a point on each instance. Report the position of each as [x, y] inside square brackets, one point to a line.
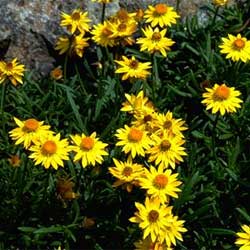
[215, 193]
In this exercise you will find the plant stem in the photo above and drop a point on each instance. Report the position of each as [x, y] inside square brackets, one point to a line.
[215, 15]
[178, 5]
[2, 98]
[103, 12]
[156, 80]
[214, 135]
[65, 66]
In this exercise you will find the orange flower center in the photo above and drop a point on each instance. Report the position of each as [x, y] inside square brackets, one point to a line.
[160, 181]
[222, 93]
[153, 216]
[239, 43]
[127, 171]
[156, 36]
[9, 66]
[135, 135]
[133, 64]
[165, 145]
[76, 16]
[161, 9]
[49, 148]
[167, 124]
[107, 32]
[87, 143]
[31, 125]
[122, 27]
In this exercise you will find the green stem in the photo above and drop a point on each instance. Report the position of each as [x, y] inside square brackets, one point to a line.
[178, 5]
[2, 98]
[80, 80]
[103, 12]
[215, 15]
[214, 135]
[65, 66]
[156, 80]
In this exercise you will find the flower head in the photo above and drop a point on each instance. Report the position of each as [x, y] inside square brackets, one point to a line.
[12, 71]
[14, 161]
[133, 140]
[160, 14]
[89, 149]
[220, 2]
[77, 20]
[160, 183]
[243, 238]
[236, 47]
[222, 98]
[64, 188]
[132, 68]
[50, 151]
[28, 131]
[148, 244]
[56, 73]
[152, 218]
[167, 150]
[155, 41]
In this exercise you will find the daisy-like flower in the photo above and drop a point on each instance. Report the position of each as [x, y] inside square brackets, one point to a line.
[123, 16]
[147, 244]
[167, 150]
[160, 14]
[11, 70]
[155, 41]
[126, 172]
[28, 131]
[220, 2]
[50, 151]
[243, 238]
[79, 44]
[102, 35]
[222, 99]
[132, 68]
[171, 126]
[173, 231]
[236, 47]
[133, 140]
[137, 104]
[89, 149]
[62, 44]
[160, 183]
[77, 20]
[56, 73]
[152, 218]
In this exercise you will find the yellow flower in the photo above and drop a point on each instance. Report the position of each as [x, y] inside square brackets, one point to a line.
[50, 151]
[137, 104]
[89, 149]
[123, 16]
[222, 99]
[220, 2]
[167, 150]
[102, 35]
[78, 20]
[56, 73]
[147, 244]
[173, 231]
[78, 44]
[132, 68]
[243, 238]
[168, 124]
[133, 140]
[160, 14]
[152, 218]
[14, 161]
[63, 45]
[160, 183]
[12, 71]
[236, 47]
[155, 41]
[126, 172]
[28, 131]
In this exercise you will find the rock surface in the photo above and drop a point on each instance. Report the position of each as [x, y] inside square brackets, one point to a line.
[24, 23]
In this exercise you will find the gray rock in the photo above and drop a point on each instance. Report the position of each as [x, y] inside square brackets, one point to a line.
[25, 22]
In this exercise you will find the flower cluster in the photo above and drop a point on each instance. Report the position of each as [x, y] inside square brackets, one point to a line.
[48, 149]
[156, 138]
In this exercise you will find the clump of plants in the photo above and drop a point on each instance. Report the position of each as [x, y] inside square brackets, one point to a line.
[138, 138]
